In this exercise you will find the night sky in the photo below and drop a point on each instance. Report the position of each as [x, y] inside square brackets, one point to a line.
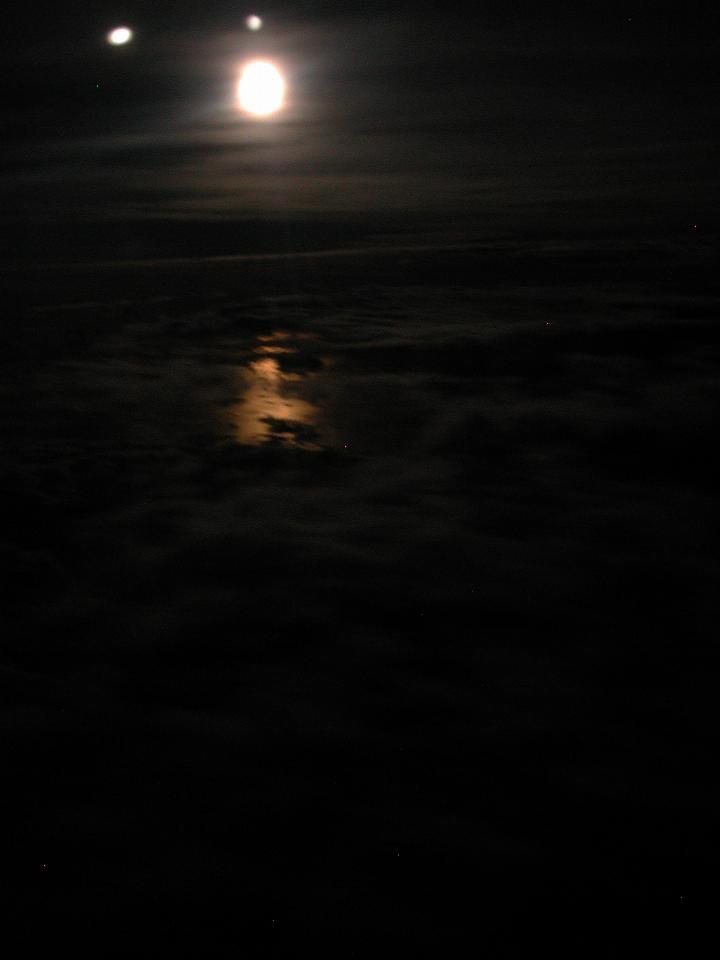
[511, 117]
[358, 478]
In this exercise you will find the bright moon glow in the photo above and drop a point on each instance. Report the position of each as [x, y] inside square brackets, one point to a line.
[119, 36]
[253, 22]
[261, 89]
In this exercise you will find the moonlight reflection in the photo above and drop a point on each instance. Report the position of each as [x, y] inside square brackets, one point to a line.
[271, 408]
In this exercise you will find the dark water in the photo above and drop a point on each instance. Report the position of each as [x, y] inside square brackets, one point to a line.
[366, 597]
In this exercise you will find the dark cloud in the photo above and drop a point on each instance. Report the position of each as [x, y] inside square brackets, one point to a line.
[306, 575]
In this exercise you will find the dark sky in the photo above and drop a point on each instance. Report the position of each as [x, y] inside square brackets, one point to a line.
[514, 116]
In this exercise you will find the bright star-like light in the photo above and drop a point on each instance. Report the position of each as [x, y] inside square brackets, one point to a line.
[253, 22]
[119, 36]
[261, 90]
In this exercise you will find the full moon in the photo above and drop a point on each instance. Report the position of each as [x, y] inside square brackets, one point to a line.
[261, 90]
[253, 22]
[119, 36]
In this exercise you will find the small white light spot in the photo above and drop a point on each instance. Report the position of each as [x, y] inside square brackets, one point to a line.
[253, 22]
[119, 36]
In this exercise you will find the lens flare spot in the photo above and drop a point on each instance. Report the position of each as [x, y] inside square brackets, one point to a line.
[253, 22]
[261, 90]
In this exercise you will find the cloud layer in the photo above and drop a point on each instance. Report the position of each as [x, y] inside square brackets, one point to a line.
[335, 577]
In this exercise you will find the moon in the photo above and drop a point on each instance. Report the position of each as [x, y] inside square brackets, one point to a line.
[253, 22]
[261, 90]
[119, 36]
